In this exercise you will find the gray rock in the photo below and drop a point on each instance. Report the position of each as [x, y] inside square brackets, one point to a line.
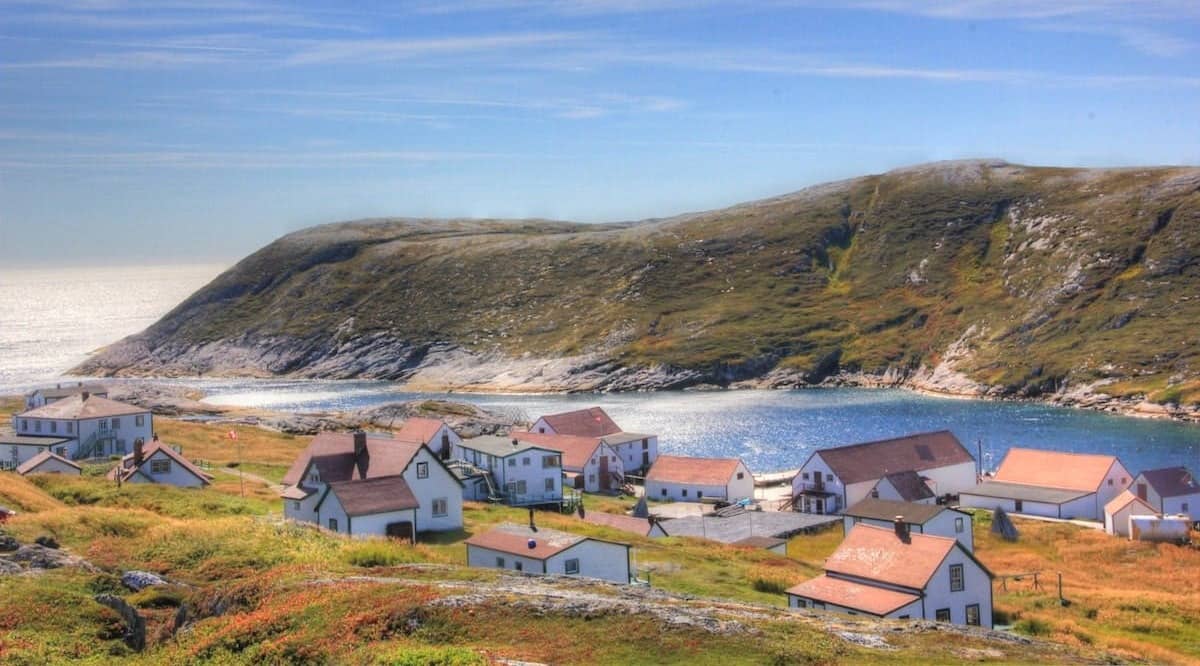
[135, 626]
[47, 541]
[9, 568]
[8, 543]
[140, 580]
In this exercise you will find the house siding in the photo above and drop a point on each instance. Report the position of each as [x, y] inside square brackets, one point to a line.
[178, 475]
[734, 489]
[941, 525]
[440, 484]
[597, 559]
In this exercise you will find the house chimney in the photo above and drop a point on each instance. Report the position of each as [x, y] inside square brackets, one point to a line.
[360, 443]
[901, 529]
[139, 452]
[86, 395]
[515, 443]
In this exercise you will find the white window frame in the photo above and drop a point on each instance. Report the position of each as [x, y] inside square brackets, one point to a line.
[439, 507]
[957, 583]
[422, 470]
[160, 466]
[570, 564]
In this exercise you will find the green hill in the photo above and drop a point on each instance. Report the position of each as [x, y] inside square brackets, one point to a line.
[967, 277]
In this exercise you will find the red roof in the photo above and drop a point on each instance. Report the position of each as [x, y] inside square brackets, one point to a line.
[43, 457]
[849, 594]
[1055, 469]
[876, 553]
[874, 460]
[590, 422]
[75, 407]
[333, 454]
[576, 451]
[639, 526]
[514, 539]
[372, 496]
[419, 430]
[698, 471]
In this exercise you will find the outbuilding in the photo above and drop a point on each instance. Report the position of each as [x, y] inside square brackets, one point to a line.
[1171, 490]
[687, 479]
[1055, 484]
[49, 463]
[158, 463]
[547, 551]
[637, 451]
[1120, 508]
[920, 518]
[587, 462]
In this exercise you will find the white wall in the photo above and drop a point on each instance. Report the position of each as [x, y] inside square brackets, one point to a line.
[527, 466]
[816, 465]
[307, 510]
[440, 484]
[1117, 479]
[886, 491]
[54, 466]
[178, 475]
[82, 430]
[486, 558]
[1175, 505]
[734, 489]
[1029, 508]
[631, 453]
[952, 479]
[15, 454]
[944, 524]
[597, 559]
[376, 524]
[1117, 523]
[977, 589]
[591, 470]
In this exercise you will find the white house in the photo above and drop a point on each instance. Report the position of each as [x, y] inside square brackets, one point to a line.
[637, 451]
[907, 486]
[93, 427]
[588, 463]
[158, 463]
[44, 396]
[439, 437]
[547, 551]
[1055, 484]
[920, 518]
[687, 479]
[1171, 490]
[1120, 508]
[517, 472]
[896, 574]
[49, 463]
[15, 450]
[361, 485]
[835, 478]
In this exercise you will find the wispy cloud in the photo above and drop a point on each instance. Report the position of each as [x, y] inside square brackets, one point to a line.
[383, 50]
[244, 159]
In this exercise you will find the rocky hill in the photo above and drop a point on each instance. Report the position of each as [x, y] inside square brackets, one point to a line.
[976, 277]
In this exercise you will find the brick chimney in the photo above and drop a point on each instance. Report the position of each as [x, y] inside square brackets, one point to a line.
[901, 529]
[86, 395]
[360, 444]
[139, 452]
[515, 443]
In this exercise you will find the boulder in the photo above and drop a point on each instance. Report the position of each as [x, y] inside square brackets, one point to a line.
[47, 541]
[140, 580]
[8, 543]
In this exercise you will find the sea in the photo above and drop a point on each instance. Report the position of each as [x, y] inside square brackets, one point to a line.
[51, 319]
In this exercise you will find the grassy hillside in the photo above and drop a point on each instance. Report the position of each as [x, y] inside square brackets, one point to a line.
[1022, 278]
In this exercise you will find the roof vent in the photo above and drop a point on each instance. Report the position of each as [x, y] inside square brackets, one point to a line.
[515, 442]
[86, 395]
[901, 529]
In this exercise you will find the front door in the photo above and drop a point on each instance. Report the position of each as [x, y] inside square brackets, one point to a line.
[604, 476]
[818, 482]
[1142, 491]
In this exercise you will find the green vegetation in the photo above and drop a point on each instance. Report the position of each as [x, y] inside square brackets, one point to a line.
[1049, 276]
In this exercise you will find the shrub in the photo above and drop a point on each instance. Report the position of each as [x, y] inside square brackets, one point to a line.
[441, 656]
[769, 586]
[157, 597]
[378, 554]
[1033, 627]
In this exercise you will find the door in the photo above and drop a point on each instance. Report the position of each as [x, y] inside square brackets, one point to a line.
[645, 459]
[818, 481]
[402, 530]
[1142, 491]
[605, 480]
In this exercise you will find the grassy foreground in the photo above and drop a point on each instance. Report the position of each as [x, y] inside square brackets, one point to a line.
[259, 590]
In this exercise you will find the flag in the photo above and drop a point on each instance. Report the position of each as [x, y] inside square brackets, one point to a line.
[231, 434]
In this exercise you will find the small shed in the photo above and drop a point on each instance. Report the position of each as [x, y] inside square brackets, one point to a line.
[48, 462]
[1118, 511]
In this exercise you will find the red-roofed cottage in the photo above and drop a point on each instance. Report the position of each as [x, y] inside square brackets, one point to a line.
[547, 551]
[692, 479]
[1171, 490]
[158, 463]
[361, 485]
[637, 451]
[1056, 484]
[587, 462]
[897, 574]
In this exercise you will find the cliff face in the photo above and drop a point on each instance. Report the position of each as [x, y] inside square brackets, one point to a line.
[969, 277]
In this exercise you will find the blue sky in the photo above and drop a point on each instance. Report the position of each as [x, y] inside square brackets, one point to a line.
[191, 130]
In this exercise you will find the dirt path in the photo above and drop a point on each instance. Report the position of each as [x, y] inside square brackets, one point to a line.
[252, 477]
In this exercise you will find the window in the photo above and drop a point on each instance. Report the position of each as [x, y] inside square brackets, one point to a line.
[664, 490]
[942, 615]
[70, 427]
[1110, 482]
[439, 506]
[741, 475]
[512, 462]
[139, 420]
[333, 525]
[804, 476]
[104, 424]
[296, 504]
[829, 477]
[313, 475]
[973, 614]
[800, 603]
[54, 426]
[519, 566]
[1018, 506]
[645, 444]
[500, 562]
[904, 617]
[685, 492]
[1183, 508]
[525, 461]
[818, 605]
[542, 430]
[24, 424]
[160, 466]
[956, 578]
[875, 493]
[422, 470]
[592, 478]
[62, 451]
[37, 426]
[116, 423]
[958, 525]
[571, 566]
[550, 485]
[549, 462]
[699, 494]
[521, 488]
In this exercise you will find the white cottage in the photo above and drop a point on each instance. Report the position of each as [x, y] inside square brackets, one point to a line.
[49, 463]
[361, 485]
[1120, 508]
[158, 463]
[517, 472]
[547, 551]
[685, 479]
[637, 451]
[833, 479]
[1054, 484]
[907, 486]
[79, 426]
[930, 519]
[439, 437]
[1171, 490]
[893, 573]
[45, 396]
[588, 463]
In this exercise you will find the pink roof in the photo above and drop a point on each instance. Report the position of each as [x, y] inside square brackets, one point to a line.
[514, 539]
[1124, 499]
[876, 553]
[575, 450]
[75, 407]
[127, 470]
[590, 422]
[1054, 469]
[419, 430]
[849, 594]
[699, 471]
[45, 456]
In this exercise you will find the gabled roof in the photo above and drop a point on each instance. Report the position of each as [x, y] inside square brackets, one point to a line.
[61, 391]
[878, 554]
[372, 496]
[10, 438]
[333, 454]
[618, 438]
[42, 458]
[639, 526]
[575, 450]
[867, 598]
[1055, 469]
[418, 429]
[1025, 493]
[514, 539]
[1124, 499]
[502, 447]
[873, 460]
[126, 469]
[1171, 481]
[698, 471]
[590, 422]
[881, 509]
[75, 407]
[910, 485]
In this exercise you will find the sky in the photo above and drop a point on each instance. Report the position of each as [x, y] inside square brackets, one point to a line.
[194, 130]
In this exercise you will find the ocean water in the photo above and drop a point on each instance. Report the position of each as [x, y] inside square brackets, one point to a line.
[51, 319]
